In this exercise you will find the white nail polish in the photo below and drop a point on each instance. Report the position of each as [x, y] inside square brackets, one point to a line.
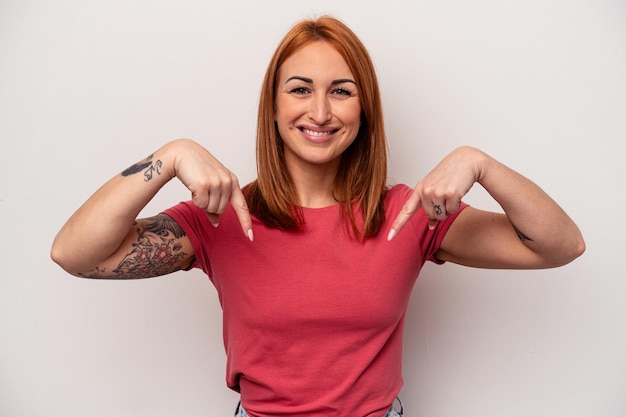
[391, 235]
[250, 235]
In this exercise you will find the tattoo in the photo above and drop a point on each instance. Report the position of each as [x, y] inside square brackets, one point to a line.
[163, 225]
[148, 168]
[520, 234]
[156, 252]
[96, 273]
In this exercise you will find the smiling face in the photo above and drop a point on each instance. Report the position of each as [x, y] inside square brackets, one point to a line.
[317, 107]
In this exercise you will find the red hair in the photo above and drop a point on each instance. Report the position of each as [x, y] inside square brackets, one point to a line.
[361, 179]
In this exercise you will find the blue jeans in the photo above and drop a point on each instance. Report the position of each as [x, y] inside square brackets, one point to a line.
[240, 412]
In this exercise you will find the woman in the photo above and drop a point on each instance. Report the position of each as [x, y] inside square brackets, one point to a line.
[314, 261]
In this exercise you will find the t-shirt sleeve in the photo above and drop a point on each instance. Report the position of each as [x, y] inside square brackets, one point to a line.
[196, 225]
[439, 233]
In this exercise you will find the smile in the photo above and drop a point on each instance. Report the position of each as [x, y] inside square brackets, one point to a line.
[318, 133]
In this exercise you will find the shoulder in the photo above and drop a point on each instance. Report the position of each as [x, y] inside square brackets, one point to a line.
[396, 196]
[187, 214]
[394, 200]
[398, 191]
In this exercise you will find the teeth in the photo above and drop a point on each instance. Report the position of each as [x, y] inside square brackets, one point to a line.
[315, 132]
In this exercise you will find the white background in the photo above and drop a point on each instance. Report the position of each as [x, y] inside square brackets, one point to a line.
[88, 88]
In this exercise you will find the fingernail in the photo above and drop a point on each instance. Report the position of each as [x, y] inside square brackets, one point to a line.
[215, 224]
[391, 235]
[431, 226]
[250, 235]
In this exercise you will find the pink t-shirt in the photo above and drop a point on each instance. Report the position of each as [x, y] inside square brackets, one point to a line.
[313, 319]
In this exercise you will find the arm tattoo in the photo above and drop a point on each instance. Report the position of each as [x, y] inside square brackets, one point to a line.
[147, 166]
[521, 235]
[156, 252]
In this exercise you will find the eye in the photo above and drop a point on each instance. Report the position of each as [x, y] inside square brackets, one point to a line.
[341, 91]
[299, 91]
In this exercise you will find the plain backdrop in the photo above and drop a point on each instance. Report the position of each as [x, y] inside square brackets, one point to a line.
[88, 88]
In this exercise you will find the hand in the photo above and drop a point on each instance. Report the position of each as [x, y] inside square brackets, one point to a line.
[441, 191]
[211, 184]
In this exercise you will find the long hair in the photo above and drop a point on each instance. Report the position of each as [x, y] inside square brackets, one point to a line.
[360, 183]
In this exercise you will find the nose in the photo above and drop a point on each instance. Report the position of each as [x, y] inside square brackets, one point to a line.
[320, 112]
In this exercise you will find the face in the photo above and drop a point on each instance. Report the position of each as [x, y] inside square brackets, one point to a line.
[317, 107]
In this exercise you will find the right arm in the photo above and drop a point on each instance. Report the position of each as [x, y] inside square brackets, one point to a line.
[103, 238]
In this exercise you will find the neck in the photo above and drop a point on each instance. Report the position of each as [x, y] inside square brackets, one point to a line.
[314, 185]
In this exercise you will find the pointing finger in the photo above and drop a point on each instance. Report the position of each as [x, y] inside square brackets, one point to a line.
[409, 208]
[238, 201]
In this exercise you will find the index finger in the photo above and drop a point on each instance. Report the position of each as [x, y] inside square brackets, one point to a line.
[409, 208]
[238, 201]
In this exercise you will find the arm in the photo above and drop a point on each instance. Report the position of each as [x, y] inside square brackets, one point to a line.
[153, 246]
[103, 239]
[533, 232]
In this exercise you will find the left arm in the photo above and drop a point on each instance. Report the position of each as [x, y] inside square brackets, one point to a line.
[533, 233]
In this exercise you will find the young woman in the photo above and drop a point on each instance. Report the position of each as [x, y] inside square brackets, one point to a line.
[314, 261]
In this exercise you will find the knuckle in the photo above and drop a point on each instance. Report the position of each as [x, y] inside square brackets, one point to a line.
[206, 183]
[428, 189]
[451, 194]
[233, 178]
[408, 209]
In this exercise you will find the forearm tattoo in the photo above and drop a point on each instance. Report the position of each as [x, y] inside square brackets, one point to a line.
[157, 251]
[147, 167]
[521, 235]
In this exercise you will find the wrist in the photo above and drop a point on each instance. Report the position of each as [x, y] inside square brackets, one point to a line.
[483, 165]
[170, 156]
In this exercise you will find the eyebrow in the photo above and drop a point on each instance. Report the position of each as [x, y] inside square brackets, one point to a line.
[310, 81]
